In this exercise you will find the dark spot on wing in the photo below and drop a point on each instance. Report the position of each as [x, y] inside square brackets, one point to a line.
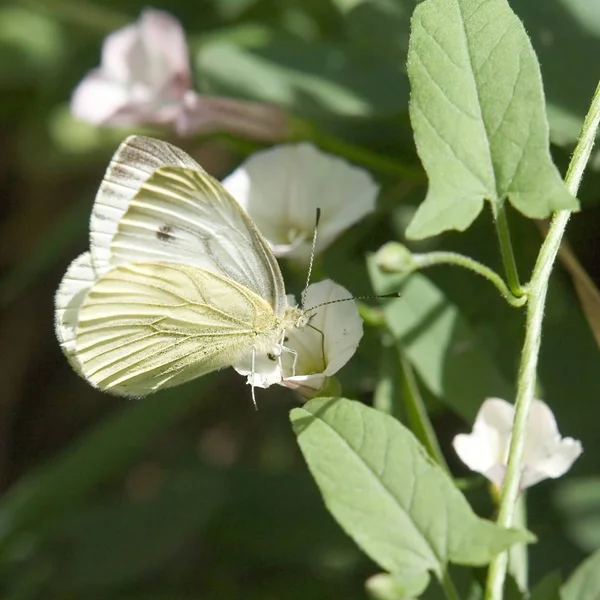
[271, 356]
[165, 233]
[286, 338]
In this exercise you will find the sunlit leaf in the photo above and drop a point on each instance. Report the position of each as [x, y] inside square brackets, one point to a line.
[390, 497]
[478, 113]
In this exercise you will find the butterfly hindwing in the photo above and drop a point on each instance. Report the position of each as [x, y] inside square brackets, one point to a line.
[68, 299]
[149, 325]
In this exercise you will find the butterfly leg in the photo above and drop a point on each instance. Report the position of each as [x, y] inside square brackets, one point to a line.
[252, 377]
[292, 351]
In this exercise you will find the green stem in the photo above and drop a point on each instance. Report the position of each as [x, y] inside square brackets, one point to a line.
[537, 291]
[420, 423]
[508, 257]
[449, 588]
[452, 258]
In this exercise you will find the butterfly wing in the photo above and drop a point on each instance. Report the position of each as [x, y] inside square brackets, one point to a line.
[187, 216]
[70, 296]
[151, 325]
[132, 164]
[157, 204]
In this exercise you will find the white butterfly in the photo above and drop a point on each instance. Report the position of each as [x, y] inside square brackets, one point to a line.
[178, 281]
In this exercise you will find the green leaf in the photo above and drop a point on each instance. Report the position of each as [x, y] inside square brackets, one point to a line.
[386, 586]
[445, 352]
[584, 583]
[477, 109]
[548, 588]
[388, 495]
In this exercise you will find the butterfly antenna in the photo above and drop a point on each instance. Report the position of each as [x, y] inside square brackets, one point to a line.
[312, 259]
[391, 295]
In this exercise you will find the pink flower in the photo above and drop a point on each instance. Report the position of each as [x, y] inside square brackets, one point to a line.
[145, 79]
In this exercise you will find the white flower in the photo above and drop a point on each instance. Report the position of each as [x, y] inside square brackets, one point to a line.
[546, 453]
[282, 187]
[145, 79]
[321, 348]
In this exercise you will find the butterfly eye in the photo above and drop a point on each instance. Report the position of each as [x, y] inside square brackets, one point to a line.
[165, 233]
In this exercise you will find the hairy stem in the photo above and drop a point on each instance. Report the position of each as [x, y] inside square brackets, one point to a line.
[452, 258]
[537, 291]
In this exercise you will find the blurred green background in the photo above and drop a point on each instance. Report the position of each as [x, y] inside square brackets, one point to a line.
[192, 493]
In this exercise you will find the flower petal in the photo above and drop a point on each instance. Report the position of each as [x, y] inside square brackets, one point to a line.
[484, 450]
[165, 45]
[340, 323]
[282, 187]
[143, 77]
[98, 100]
[117, 50]
[542, 437]
[476, 451]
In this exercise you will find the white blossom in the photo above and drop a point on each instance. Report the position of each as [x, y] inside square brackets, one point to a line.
[319, 350]
[546, 453]
[282, 187]
[145, 79]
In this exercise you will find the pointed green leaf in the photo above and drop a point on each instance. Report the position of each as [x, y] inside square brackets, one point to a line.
[388, 495]
[584, 583]
[477, 109]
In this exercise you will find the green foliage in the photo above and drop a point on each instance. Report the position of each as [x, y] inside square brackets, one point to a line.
[477, 110]
[584, 583]
[388, 494]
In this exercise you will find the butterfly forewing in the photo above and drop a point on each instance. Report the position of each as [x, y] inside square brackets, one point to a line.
[186, 216]
[135, 160]
[149, 325]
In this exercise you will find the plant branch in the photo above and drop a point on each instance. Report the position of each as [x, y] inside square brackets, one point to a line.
[420, 423]
[537, 291]
[508, 257]
[431, 259]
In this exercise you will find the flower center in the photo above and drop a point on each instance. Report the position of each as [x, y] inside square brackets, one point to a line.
[295, 235]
